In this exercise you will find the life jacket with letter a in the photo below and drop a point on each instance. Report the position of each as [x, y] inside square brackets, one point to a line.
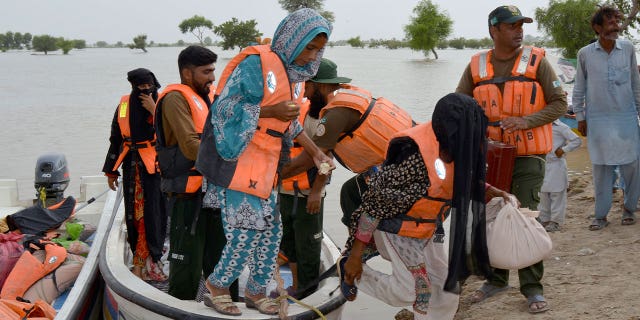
[428, 213]
[522, 95]
[365, 145]
[304, 180]
[177, 171]
[145, 148]
[255, 170]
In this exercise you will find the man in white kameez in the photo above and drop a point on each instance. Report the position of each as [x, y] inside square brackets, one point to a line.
[606, 100]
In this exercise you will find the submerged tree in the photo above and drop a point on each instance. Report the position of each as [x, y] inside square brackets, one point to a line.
[356, 42]
[44, 43]
[427, 27]
[235, 33]
[65, 44]
[139, 42]
[197, 25]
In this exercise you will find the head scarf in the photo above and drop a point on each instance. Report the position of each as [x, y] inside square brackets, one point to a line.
[141, 129]
[460, 126]
[142, 76]
[291, 37]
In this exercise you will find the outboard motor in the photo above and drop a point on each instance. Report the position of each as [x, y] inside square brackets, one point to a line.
[52, 178]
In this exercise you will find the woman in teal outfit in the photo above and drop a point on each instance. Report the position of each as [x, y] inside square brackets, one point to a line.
[252, 224]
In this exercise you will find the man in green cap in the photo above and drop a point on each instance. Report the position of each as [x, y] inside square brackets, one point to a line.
[355, 127]
[521, 95]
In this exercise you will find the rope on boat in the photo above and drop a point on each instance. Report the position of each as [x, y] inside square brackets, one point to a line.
[283, 312]
[284, 296]
[308, 306]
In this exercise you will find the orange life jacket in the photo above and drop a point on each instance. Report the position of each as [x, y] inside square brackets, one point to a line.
[29, 269]
[424, 216]
[303, 180]
[11, 309]
[255, 170]
[145, 148]
[364, 145]
[186, 179]
[522, 95]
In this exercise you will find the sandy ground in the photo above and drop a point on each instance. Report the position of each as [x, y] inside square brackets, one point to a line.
[590, 274]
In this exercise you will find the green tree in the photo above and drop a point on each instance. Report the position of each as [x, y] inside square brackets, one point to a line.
[79, 44]
[44, 43]
[235, 33]
[139, 42]
[17, 41]
[65, 44]
[293, 5]
[568, 22]
[356, 42]
[2, 39]
[208, 41]
[427, 27]
[197, 25]
[26, 40]
[7, 41]
[119, 44]
[102, 44]
[458, 43]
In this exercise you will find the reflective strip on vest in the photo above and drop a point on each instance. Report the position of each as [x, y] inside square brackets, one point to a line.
[522, 95]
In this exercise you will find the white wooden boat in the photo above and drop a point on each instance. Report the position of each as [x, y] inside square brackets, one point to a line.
[84, 299]
[128, 297]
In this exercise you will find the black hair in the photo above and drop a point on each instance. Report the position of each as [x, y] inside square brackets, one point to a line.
[460, 127]
[195, 56]
[604, 11]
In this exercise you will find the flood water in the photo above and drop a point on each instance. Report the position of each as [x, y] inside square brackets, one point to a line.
[65, 103]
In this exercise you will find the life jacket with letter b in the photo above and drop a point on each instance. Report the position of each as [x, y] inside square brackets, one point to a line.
[522, 95]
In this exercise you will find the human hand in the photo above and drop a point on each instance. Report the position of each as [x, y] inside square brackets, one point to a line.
[324, 163]
[286, 110]
[582, 127]
[352, 269]
[512, 124]
[113, 183]
[147, 102]
[559, 152]
[493, 192]
[313, 202]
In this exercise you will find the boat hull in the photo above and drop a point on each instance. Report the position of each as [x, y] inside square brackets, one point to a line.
[128, 297]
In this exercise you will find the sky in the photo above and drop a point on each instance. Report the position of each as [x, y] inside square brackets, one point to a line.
[121, 20]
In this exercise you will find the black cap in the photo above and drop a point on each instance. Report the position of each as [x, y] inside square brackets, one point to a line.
[507, 14]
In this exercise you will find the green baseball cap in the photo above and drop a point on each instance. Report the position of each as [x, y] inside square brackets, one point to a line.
[328, 73]
[507, 14]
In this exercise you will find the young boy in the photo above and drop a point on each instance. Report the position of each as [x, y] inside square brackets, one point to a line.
[553, 194]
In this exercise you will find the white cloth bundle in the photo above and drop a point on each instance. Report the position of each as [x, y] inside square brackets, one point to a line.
[515, 239]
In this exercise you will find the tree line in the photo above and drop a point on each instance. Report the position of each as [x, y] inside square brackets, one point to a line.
[565, 22]
[41, 43]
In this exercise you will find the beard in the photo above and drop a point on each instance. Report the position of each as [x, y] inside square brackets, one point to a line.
[317, 102]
